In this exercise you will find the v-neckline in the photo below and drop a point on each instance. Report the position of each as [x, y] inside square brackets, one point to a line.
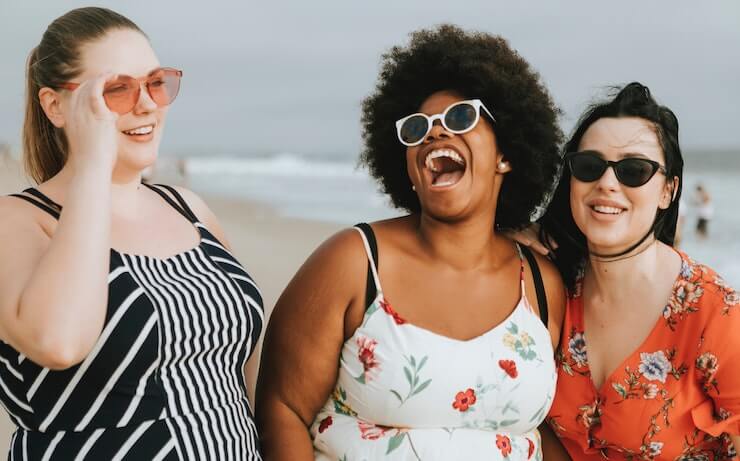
[659, 324]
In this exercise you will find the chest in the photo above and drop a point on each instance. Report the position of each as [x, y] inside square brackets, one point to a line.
[613, 338]
[401, 375]
[460, 306]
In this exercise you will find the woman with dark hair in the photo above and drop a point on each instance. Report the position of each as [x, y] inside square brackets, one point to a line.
[421, 337]
[647, 364]
[125, 320]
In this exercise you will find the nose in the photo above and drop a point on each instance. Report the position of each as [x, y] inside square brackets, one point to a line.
[145, 103]
[608, 181]
[437, 132]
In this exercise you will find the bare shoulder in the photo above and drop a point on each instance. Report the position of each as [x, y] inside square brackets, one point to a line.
[19, 218]
[329, 282]
[555, 289]
[203, 213]
[344, 249]
[195, 202]
[555, 293]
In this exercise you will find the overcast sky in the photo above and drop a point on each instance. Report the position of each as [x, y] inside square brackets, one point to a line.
[275, 76]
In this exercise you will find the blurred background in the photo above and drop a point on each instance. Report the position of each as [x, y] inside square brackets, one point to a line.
[267, 123]
[270, 103]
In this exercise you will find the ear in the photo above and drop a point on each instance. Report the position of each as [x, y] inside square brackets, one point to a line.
[502, 165]
[669, 193]
[51, 103]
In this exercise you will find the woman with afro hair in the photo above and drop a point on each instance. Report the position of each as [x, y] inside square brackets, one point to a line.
[428, 336]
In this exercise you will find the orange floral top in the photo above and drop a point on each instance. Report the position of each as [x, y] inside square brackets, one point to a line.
[676, 397]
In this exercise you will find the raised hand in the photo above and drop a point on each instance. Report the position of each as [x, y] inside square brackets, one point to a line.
[91, 127]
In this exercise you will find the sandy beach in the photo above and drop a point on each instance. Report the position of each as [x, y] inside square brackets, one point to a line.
[271, 247]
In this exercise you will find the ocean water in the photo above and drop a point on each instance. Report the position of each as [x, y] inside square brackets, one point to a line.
[335, 189]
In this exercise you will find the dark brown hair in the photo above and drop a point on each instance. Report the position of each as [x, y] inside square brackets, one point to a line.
[632, 100]
[54, 61]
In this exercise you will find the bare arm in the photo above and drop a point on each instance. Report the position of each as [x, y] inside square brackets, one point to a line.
[303, 343]
[54, 289]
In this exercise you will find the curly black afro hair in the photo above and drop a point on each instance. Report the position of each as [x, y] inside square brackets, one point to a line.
[474, 65]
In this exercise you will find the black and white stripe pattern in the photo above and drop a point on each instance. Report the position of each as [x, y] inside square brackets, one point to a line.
[166, 378]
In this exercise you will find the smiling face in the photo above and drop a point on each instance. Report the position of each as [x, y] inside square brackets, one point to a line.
[455, 175]
[612, 216]
[128, 52]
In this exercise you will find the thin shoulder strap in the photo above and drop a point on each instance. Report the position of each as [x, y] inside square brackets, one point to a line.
[539, 285]
[181, 206]
[371, 248]
[44, 198]
[41, 201]
[54, 213]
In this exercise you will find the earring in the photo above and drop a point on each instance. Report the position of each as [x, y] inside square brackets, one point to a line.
[413, 188]
[501, 166]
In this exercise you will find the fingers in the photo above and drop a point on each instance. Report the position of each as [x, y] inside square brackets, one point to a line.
[539, 248]
[90, 95]
[529, 238]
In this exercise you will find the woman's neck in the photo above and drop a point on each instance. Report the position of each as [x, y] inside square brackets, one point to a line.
[464, 245]
[610, 281]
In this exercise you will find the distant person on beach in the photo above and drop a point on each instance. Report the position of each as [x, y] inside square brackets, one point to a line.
[125, 320]
[428, 336]
[648, 360]
[704, 211]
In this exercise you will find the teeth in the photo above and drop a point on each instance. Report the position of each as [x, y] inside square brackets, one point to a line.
[141, 130]
[451, 154]
[607, 209]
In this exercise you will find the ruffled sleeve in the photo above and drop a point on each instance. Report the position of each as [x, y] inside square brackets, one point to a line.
[717, 362]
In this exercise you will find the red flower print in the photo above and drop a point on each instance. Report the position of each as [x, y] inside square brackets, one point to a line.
[530, 450]
[371, 431]
[503, 443]
[325, 423]
[464, 400]
[366, 353]
[509, 366]
[389, 310]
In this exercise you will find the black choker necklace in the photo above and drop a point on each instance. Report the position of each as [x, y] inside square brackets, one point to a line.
[621, 256]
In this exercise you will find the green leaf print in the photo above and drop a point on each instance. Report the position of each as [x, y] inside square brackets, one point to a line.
[512, 328]
[395, 442]
[508, 422]
[407, 372]
[422, 387]
[411, 372]
[620, 390]
[340, 396]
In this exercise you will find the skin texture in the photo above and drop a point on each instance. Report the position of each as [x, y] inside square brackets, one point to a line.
[445, 256]
[52, 274]
[615, 325]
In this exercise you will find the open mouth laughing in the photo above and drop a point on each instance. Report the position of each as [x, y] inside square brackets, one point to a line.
[446, 166]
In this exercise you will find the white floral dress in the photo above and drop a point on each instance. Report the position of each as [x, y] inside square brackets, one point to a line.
[406, 393]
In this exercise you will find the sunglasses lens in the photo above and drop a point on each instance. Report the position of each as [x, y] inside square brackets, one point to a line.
[587, 167]
[461, 117]
[121, 94]
[163, 86]
[634, 172]
[413, 129]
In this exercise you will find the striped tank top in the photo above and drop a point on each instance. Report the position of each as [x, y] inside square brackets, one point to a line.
[165, 380]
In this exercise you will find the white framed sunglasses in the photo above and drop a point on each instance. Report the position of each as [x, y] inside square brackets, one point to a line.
[458, 118]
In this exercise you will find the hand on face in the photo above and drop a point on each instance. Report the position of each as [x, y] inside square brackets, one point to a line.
[90, 125]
